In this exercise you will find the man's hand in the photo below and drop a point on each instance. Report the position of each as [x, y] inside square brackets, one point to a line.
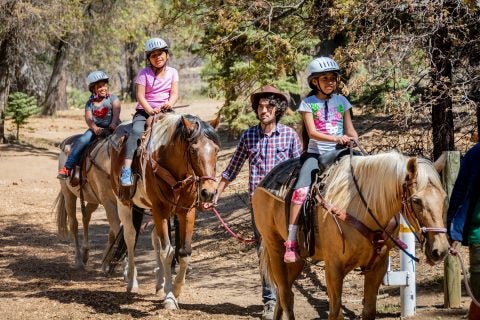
[453, 248]
[208, 206]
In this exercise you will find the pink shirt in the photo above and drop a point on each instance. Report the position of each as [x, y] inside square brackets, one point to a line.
[157, 90]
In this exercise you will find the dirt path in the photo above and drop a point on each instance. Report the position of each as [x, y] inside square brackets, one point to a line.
[37, 278]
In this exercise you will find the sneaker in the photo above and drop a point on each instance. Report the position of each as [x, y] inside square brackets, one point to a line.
[63, 173]
[126, 179]
[291, 252]
[268, 310]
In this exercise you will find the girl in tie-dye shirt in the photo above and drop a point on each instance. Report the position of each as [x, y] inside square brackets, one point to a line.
[327, 121]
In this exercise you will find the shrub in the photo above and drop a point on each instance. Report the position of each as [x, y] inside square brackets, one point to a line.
[19, 108]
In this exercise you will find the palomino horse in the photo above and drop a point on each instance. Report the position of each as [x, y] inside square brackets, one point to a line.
[177, 172]
[96, 190]
[387, 183]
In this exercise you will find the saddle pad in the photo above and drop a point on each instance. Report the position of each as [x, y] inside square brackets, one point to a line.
[122, 130]
[278, 180]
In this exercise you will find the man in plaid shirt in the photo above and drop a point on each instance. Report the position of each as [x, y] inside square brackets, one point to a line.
[265, 146]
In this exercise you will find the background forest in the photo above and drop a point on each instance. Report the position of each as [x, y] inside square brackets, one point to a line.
[411, 67]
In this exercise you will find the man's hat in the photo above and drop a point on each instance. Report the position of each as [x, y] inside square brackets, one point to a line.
[268, 90]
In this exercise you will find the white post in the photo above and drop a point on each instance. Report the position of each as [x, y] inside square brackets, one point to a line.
[405, 278]
[408, 293]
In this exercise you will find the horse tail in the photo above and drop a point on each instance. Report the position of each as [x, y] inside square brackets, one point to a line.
[265, 267]
[118, 249]
[61, 215]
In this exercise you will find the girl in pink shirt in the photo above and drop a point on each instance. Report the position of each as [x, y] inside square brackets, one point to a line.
[156, 91]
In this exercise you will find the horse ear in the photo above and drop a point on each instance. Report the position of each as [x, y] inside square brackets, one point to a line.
[188, 124]
[441, 162]
[412, 167]
[215, 122]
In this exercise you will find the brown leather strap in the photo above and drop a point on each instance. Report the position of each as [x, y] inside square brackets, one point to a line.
[377, 238]
[166, 176]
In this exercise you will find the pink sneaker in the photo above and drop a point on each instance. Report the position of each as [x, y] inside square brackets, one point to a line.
[291, 252]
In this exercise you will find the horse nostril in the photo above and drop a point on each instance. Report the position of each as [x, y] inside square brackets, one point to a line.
[437, 254]
[206, 195]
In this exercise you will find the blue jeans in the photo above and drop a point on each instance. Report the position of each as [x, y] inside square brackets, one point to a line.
[78, 147]
[268, 292]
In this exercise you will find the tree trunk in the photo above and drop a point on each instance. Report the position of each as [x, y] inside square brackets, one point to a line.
[56, 94]
[441, 82]
[8, 60]
[132, 69]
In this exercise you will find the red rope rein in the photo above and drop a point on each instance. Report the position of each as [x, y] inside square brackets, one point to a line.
[233, 234]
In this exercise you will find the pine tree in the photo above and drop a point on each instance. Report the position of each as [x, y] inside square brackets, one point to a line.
[20, 107]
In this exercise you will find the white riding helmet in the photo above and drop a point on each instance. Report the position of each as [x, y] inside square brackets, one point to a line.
[155, 44]
[96, 76]
[321, 65]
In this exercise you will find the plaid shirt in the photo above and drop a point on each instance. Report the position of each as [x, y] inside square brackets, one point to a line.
[263, 153]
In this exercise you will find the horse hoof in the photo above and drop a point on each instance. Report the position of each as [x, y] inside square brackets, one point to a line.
[133, 288]
[170, 302]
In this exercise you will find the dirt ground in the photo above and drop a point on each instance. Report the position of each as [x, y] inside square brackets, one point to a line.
[38, 280]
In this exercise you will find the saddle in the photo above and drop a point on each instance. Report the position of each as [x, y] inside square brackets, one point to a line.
[281, 180]
[78, 175]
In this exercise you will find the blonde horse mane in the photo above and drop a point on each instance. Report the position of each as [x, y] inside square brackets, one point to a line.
[163, 130]
[380, 178]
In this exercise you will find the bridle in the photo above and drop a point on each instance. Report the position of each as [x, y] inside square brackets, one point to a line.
[409, 187]
[177, 186]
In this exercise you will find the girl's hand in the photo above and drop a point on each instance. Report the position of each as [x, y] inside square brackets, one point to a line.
[166, 107]
[343, 140]
[113, 126]
[97, 130]
[152, 112]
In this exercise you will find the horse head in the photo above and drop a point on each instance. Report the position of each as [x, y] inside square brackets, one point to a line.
[202, 153]
[424, 205]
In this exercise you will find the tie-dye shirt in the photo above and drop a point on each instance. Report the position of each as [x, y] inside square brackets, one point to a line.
[327, 117]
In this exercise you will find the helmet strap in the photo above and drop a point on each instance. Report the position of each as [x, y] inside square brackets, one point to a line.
[317, 85]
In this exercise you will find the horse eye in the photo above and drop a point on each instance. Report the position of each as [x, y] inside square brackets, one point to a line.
[417, 200]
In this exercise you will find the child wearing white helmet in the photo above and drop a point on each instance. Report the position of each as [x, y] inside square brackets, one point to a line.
[102, 112]
[156, 91]
[327, 120]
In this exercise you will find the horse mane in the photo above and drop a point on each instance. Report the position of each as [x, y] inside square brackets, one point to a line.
[380, 178]
[171, 127]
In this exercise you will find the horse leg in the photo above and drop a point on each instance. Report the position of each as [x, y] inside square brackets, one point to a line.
[89, 208]
[334, 275]
[159, 272]
[278, 270]
[372, 281]
[185, 230]
[129, 233]
[113, 222]
[166, 255]
[70, 207]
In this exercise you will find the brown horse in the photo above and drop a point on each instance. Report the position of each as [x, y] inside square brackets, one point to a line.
[177, 165]
[383, 180]
[96, 190]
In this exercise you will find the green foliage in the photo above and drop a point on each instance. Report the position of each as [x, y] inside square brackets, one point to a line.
[19, 108]
[77, 98]
[251, 45]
